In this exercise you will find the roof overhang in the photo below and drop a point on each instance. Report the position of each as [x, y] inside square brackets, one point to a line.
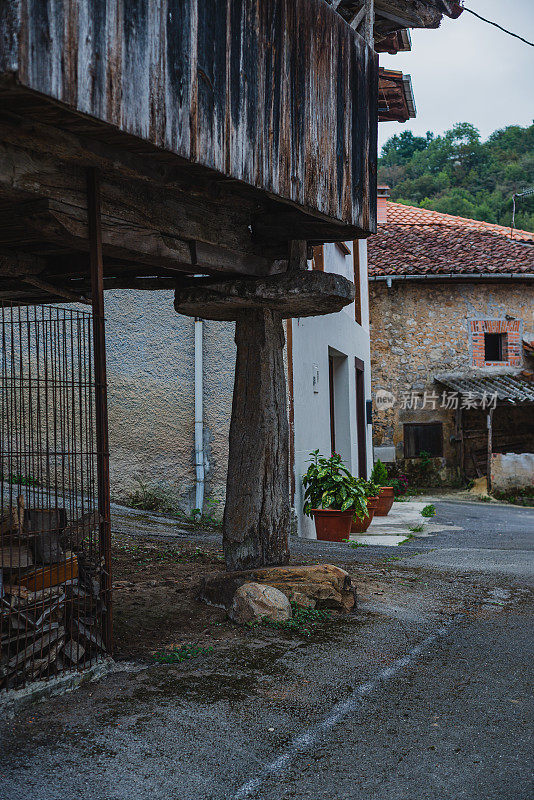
[510, 388]
[393, 16]
[396, 102]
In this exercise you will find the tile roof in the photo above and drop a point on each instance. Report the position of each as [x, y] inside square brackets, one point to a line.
[509, 387]
[416, 241]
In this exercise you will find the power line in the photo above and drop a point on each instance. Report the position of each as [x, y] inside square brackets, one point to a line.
[526, 193]
[489, 21]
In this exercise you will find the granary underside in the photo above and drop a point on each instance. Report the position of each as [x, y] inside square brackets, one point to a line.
[222, 133]
[228, 137]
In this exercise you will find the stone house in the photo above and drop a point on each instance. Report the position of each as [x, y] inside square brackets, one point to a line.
[452, 321]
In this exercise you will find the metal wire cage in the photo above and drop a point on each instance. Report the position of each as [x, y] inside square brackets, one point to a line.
[54, 570]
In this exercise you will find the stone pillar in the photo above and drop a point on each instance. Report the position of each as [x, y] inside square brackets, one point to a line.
[256, 516]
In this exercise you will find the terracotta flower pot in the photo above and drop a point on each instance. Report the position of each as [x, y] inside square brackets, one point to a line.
[385, 501]
[361, 525]
[332, 526]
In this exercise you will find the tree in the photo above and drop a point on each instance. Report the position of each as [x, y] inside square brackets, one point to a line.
[459, 174]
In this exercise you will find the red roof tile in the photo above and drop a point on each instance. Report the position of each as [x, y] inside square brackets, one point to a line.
[415, 241]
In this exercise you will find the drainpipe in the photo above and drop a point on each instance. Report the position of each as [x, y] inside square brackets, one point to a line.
[199, 420]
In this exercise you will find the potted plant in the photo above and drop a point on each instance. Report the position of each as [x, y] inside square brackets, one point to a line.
[380, 477]
[371, 497]
[332, 496]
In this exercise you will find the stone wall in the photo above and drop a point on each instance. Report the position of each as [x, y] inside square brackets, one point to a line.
[420, 329]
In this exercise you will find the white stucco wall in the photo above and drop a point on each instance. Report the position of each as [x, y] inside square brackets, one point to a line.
[511, 471]
[314, 338]
[150, 364]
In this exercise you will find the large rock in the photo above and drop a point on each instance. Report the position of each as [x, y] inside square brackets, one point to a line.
[256, 601]
[317, 586]
[297, 293]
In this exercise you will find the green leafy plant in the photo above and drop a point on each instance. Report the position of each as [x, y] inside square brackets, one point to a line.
[175, 655]
[379, 475]
[417, 528]
[425, 461]
[304, 620]
[149, 498]
[429, 510]
[19, 480]
[371, 488]
[354, 545]
[520, 497]
[328, 484]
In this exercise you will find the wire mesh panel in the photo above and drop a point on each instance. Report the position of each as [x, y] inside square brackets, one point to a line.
[53, 572]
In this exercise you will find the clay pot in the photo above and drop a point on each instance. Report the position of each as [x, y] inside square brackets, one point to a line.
[385, 501]
[361, 525]
[332, 526]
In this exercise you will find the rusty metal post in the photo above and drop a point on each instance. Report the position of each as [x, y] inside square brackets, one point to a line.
[101, 407]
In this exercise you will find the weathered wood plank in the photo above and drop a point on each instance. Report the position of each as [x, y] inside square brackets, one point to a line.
[250, 89]
[140, 222]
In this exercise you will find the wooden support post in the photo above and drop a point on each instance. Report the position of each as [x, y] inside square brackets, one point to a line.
[369, 23]
[459, 439]
[298, 254]
[257, 511]
[101, 407]
[490, 448]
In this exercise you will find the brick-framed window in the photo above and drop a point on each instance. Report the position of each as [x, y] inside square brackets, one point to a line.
[496, 342]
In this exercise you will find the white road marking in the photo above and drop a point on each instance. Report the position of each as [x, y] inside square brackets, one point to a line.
[310, 737]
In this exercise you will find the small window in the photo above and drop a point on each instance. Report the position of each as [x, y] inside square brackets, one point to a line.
[426, 437]
[495, 346]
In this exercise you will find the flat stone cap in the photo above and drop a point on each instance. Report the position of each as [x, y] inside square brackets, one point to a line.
[299, 293]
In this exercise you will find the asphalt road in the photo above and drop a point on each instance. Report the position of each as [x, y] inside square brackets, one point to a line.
[424, 694]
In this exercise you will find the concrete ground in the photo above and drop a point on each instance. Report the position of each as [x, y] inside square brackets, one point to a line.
[403, 521]
[423, 694]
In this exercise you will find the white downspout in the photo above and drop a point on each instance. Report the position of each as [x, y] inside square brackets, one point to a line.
[199, 418]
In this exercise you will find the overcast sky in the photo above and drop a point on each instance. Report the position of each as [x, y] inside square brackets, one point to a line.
[469, 71]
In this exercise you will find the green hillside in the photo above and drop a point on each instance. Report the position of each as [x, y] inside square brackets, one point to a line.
[459, 174]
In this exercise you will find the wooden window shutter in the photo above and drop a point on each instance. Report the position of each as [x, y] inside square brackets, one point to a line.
[318, 258]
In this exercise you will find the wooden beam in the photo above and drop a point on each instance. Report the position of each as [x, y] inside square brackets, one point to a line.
[65, 224]
[358, 18]
[368, 26]
[268, 228]
[413, 15]
[342, 247]
[56, 291]
[15, 264]
[137, 215]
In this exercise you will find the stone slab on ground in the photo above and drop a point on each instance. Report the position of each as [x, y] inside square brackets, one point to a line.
[317, 586]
